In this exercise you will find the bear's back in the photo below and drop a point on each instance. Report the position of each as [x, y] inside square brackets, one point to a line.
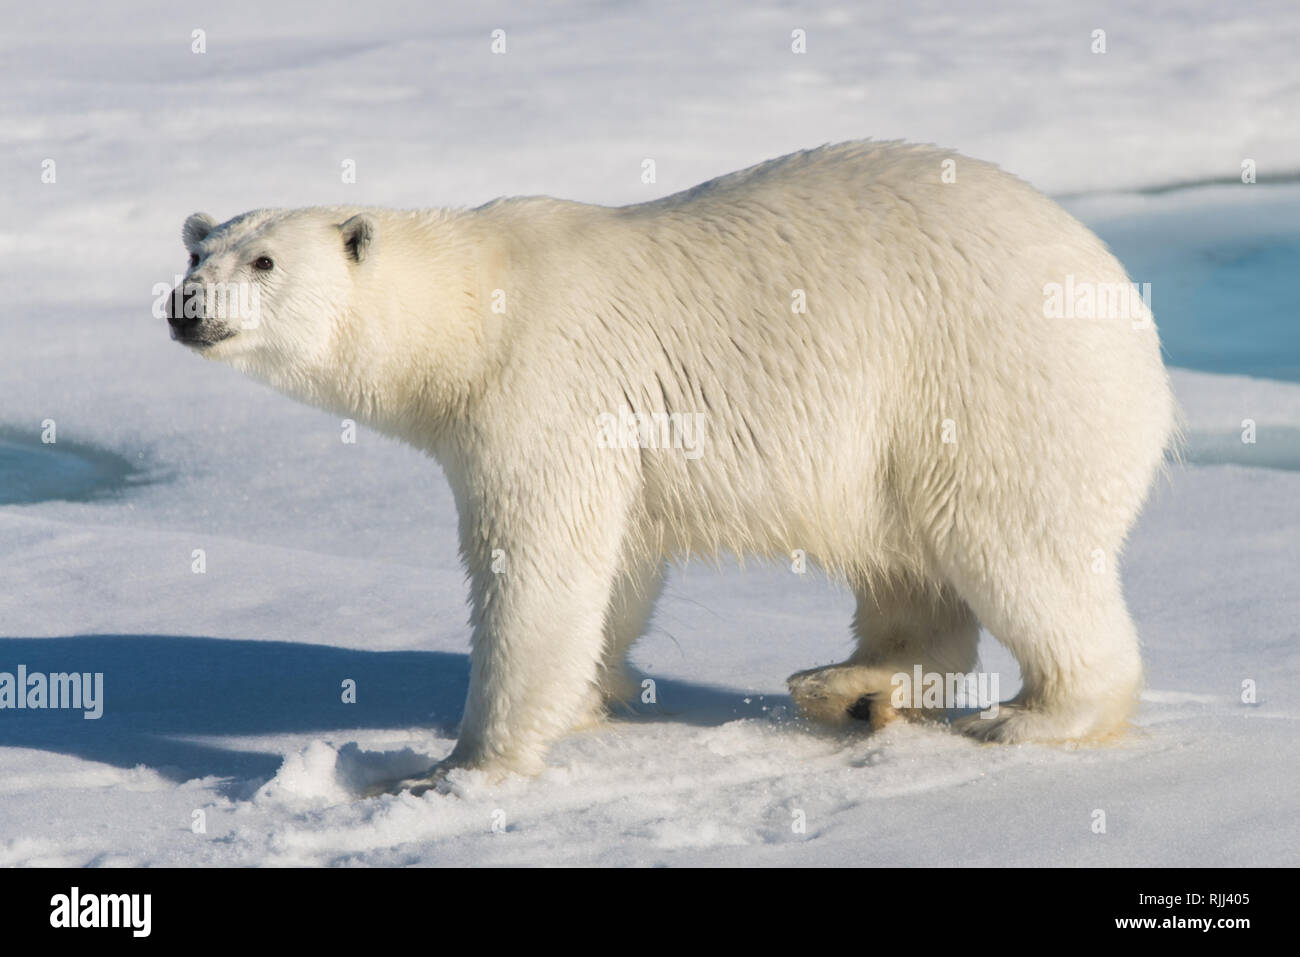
[830, 314]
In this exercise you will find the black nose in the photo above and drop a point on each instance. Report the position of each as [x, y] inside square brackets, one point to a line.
[183, 311]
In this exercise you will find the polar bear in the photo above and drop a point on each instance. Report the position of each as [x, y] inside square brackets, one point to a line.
[869, 337]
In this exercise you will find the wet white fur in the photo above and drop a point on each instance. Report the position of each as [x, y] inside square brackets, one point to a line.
[822, 431]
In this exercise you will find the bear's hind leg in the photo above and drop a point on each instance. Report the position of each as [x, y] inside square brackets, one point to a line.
[1076, 646]
[901, 622]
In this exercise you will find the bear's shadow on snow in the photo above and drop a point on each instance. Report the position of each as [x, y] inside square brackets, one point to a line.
[159, 690]
[162, 691]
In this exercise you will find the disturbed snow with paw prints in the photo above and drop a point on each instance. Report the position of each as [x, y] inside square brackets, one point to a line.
[328, 561]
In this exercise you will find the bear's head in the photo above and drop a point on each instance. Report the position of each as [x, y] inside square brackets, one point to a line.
[307, 301]
[268, 290]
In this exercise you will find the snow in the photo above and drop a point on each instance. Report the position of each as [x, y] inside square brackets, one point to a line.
[327, 561]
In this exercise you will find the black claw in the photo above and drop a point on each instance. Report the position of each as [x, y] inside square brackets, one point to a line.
[860, 710]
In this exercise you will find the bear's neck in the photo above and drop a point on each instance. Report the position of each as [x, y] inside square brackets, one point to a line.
[414, 345]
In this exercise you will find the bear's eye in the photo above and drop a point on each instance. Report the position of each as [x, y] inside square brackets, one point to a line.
[263, 263]
[194, 260]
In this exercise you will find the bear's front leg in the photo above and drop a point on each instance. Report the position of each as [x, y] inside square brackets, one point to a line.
[535, 661]
[542, 574]
[535, 658]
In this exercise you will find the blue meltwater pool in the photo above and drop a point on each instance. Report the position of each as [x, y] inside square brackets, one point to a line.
[1224, 267]
[32, 471]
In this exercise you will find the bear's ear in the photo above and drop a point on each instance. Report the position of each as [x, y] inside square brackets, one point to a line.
[359, 235]
[196, 229]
